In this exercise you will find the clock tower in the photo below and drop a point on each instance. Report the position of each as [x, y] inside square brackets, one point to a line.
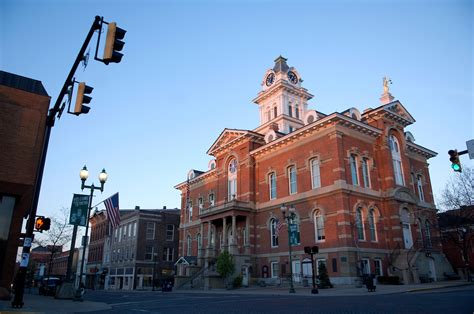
[282, 102]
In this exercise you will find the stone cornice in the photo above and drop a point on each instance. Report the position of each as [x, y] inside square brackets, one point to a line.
[182, 186]
[331, 120]
[216, 149]
[420, 150]
[283, 85]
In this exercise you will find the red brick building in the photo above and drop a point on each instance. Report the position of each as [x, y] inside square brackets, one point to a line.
[359, 184]
[99, 231]
[23, 108]
[457, 233]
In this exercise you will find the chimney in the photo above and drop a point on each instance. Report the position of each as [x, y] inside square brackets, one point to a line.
[164, 207]
[137, 207]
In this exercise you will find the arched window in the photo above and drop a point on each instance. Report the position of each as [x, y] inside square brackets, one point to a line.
[365, 172]
[274, 224]
[188, 250]
[232, 180]
[354, 175]
[315, 174]
[272, 185]
[396, 160]
[319, 231]
[419, 184]
[360, 224]
[428, 233]
[292, 184]
[372, 225]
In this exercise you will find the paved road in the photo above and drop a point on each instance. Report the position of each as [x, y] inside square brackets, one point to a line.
[452, 300]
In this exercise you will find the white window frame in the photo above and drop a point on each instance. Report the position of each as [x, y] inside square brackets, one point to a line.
[354, 172]
[396, 160]
[135, 229]
[200, 203]
[360, 224]
[190, 211]
[172, 232]
[378, 266]
[148, 228]
[315, 173]
[365, 263]
[318, 220]
[211, 199]
[168, 254]
[146, 253]
[419, 184]
[275, 269]
[372, 225]
[292, 180]
[272, 185]
[365, 172]
[232, 181]
[273, 235]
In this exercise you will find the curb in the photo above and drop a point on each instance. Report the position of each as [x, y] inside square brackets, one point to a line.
[439, 287]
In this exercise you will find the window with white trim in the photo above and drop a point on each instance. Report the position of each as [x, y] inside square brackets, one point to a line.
[419, 184]
[360, 224]
[149, 250]
[190, 211]
[365, 172]
[319, 226]
[354, 175]
[315, 174]
[372, 225]
[396, 160]
[168, 253]
[273, 232]
[135, 229]
[232, 180]
[169, 232]
[275, 269]
[150, 230]
[378, 267]
[200, 203]
[365, 266]
[211, 199]
[245, 235]
[272, 185]
[292, 184]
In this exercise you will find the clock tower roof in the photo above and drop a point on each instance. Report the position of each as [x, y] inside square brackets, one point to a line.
[280, 65]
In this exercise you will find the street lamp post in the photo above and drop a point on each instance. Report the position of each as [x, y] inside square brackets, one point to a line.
[154, 269]
[84, 174]
[289, 216]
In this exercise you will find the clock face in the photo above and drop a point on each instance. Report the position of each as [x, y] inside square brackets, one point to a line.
[292, 77]
[233, 166]
[270, 79]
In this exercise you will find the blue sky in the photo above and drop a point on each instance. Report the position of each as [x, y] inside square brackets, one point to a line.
[191, 69]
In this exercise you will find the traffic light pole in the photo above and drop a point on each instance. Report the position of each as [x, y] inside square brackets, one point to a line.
[19, 282]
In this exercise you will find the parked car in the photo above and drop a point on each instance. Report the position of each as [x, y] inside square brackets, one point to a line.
[49, 285]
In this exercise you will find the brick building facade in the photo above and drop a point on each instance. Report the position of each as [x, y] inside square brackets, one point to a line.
[143, 247]
[358, 182]
[94, 269]
[24, 105]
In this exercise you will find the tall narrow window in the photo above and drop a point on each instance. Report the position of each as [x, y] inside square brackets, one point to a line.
[297, 112]
[372, 226]
[419, 184]
[315, 174]
[150, 230]
[190, 211]
[396, 160]
[188, 248]
[378, 267]
[360, 224]
[275, 112]
[272, 183]
[232, 180]
[198, 239]
[169, 232]
[420, 233]
[290, 110]
[245, 235]
[365, 172]
[353, 162]
[292, 179]
[428, 234]
[211, 199]
[319, 226]
[274, 232]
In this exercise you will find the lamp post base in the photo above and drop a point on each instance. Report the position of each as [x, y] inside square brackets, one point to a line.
[314, 291]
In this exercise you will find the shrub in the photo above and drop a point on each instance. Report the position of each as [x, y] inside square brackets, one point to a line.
[237, 281]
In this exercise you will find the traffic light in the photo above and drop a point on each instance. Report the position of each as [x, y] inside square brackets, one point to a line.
[82, 98]
[113, 44]
[42, 223]
[454, 158]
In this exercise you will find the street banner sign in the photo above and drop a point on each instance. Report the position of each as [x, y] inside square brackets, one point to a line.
[79, 208]
[470, 148]
[294, 235]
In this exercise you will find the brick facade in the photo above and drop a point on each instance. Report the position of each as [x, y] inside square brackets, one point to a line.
[365, 196]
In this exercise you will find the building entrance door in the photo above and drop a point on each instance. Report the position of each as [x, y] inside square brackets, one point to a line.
[407, 236]
[296, 271]
[245, 276]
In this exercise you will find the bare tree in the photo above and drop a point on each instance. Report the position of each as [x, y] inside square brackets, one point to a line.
[459, 190]
[57, 236]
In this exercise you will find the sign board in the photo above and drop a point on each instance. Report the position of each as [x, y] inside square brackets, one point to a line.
[470, 148]
[79, 209]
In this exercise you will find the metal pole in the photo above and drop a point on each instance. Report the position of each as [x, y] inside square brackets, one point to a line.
[21, 276]
[92, 187]
[315, 289]
[71, 255]
[292, 289]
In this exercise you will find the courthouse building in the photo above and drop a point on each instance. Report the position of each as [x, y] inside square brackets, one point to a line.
[358, 182]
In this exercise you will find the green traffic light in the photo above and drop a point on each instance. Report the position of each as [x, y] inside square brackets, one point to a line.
[456, 167]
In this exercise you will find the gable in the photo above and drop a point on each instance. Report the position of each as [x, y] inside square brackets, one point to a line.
[397, 108]
[394, 111]
[227, 136]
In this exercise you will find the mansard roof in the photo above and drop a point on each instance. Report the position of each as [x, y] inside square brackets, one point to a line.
[394, 111]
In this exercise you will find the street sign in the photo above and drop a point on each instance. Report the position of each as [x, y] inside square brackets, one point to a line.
[79, 209]
[470, 148]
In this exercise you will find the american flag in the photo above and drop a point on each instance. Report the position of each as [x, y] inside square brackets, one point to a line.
[113, 211]
[278, 226]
